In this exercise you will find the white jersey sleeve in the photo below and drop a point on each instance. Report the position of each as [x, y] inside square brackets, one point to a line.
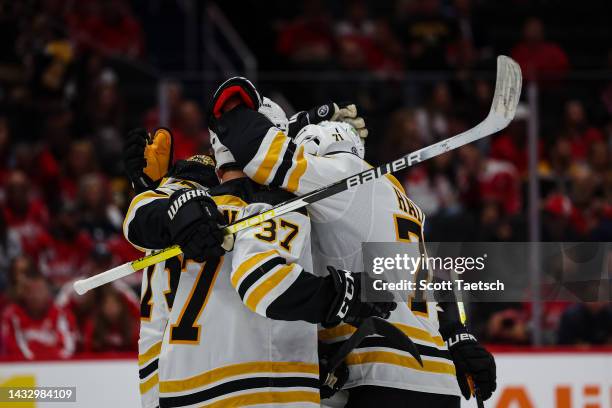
[279, 162]
[268, 269]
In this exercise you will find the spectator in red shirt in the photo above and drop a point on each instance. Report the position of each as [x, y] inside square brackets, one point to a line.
[42, 168]
[308, 40]
[67, 248]
[112, 327]
[488, 180]
[42, 163]
[174, 98]
[540, 59]
[375, 40]
[189, 136]
[560, 220]
[32, 327]
[109, 27]
[578, 130]
[25, 214]
[511, 145]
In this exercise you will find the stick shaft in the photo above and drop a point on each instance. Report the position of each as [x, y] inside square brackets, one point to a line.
[359, 179]
[84, 285]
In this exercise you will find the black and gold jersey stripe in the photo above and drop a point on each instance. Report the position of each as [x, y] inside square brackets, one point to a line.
[148, 369]
[403, 360]
[148, 362]
[258, 273]
[270, 382]
[229, 388]
[379, 350]
[380, 342]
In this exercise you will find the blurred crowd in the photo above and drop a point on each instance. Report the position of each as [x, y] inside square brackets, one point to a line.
[418, 70]
[62, 191]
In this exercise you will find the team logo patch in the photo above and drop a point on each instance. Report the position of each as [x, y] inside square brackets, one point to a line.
[202, 159]
[323, 111]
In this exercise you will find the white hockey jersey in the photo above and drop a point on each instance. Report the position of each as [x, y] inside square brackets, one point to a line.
[159, 285]
[378, 211]
[220, 347]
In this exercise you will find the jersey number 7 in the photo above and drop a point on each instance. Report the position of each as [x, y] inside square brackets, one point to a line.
[185, 330]
[408, 230]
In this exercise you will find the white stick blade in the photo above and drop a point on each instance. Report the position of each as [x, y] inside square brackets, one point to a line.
[507, 90]
[84, 285]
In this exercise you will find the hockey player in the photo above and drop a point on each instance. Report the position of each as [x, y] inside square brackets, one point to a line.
[215, 350]
[375, 212]
[146, 160]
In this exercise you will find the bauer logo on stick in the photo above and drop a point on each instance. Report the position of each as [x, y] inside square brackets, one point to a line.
[380, 171]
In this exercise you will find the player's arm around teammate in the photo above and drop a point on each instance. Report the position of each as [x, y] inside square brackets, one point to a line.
[178, 212]
[270, 282]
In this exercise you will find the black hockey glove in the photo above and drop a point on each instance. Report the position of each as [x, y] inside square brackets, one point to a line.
[472, 359]
[349, 306]
[146, 160]
[330, 382]
[134, 160]
[194, 224]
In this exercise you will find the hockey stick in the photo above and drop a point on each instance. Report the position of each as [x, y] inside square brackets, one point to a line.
[369, 326]
[503, 108]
